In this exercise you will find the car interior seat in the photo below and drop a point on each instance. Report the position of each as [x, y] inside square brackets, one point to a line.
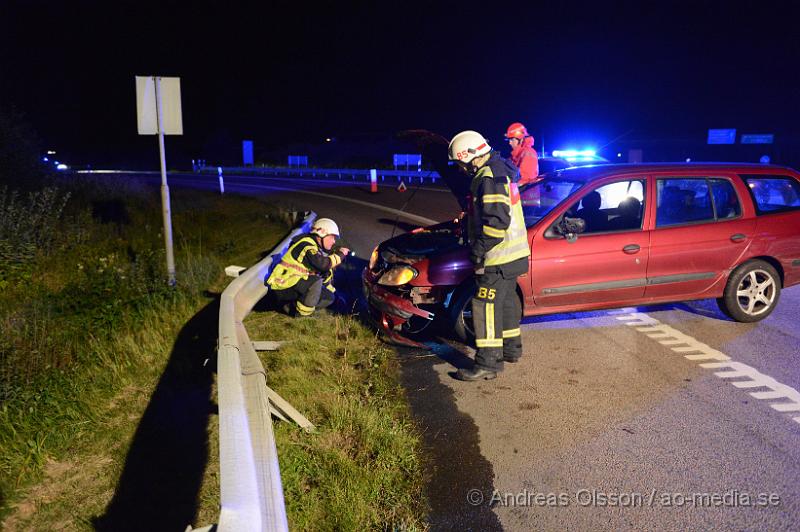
[596, 220]
[670, 208]
[630, 215]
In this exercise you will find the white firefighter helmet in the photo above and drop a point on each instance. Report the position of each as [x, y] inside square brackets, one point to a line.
[467, 145]
[324, 227]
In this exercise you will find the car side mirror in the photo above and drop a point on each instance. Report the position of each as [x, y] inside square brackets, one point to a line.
[570, 228]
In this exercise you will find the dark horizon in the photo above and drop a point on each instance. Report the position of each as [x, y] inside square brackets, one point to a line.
[281, 75]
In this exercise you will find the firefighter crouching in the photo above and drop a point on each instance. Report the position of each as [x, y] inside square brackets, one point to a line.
[499, 251]
[305, 273]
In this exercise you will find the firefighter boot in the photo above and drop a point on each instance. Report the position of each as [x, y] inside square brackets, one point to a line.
[475, 374]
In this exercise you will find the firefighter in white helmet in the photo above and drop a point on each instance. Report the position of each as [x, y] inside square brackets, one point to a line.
[499, 252]
[305, 273]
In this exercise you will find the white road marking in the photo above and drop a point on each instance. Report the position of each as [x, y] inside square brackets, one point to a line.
[693, 349]
[413, 217]
[341, 182]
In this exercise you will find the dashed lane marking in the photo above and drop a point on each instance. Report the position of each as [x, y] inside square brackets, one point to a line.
[693, 349]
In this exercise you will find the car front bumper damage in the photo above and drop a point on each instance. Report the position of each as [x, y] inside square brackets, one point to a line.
[390, 311]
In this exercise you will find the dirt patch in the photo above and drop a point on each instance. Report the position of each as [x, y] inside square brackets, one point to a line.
[45, 492]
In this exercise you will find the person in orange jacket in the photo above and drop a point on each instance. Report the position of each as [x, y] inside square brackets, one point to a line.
[523, 155]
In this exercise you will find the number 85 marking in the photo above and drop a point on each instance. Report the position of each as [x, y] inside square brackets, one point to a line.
[484, 293]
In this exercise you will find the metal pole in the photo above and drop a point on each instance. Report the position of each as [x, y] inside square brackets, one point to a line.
[221, 182]
[164, 187]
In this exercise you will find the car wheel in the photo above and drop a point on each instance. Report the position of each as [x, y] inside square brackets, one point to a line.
[461, 314]
[752, 292]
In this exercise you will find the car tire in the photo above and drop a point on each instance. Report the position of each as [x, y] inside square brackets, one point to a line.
[752, 292]
[460, 313]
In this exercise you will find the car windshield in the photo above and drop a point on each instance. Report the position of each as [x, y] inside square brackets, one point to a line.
[542, 197]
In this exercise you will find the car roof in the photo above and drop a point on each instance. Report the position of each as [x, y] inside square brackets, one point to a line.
[599, 171]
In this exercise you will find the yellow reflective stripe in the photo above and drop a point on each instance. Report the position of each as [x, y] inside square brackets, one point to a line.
[494, 342]
[491, 231]
[489, 321]
[511, 333]
[335, 260]
[303, 310]
[496, 198]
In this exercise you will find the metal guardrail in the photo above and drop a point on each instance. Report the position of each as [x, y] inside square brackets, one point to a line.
[251, 494]
[343, 174]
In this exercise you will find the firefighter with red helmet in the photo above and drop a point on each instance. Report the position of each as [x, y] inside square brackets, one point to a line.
[523, 155]
[499, 251]
[305, 273]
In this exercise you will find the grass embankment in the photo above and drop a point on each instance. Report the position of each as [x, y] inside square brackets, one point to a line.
[361, 469]
[106, 387]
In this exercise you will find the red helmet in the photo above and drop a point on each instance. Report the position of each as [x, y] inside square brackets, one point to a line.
[516, 131]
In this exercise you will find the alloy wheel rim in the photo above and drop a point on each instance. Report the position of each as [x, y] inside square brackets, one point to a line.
[756, 292]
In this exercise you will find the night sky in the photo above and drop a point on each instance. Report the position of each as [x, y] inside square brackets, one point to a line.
[282, 73]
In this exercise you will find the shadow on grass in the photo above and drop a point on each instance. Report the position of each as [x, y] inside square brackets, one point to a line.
[160, 483]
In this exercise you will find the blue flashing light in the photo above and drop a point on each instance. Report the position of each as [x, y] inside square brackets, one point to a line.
[574, 153]
[56, 163]
[45, 159]
[62, 166]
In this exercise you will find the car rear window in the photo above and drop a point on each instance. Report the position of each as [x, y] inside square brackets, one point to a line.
[773, 193]
[682, 201]
[686, 200]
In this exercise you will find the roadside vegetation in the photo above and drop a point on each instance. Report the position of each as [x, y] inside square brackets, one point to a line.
[107, 416]
[361, 469]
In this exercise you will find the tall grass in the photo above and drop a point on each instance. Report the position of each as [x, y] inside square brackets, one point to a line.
[82, 268]
[88, 323]
[361, 469]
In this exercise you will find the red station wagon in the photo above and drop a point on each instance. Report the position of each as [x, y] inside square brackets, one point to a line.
[611, 236]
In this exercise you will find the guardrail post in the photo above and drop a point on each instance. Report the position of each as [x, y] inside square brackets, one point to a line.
[221, 182]
[373, 180]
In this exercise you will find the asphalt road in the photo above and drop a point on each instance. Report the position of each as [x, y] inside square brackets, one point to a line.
[608, 422]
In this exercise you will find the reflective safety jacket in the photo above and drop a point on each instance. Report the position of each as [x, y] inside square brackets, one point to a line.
[526, 159]
[496, 227]
[303, 258]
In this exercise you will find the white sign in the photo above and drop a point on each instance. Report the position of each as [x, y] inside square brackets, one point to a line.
[146, 112]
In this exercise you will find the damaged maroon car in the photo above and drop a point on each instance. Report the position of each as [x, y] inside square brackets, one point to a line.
[610, 236]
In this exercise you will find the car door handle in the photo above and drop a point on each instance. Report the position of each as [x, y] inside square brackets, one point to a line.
[630, 249]
[738, 237]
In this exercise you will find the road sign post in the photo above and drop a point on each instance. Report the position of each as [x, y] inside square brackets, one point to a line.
[152, 119]
[165, 203]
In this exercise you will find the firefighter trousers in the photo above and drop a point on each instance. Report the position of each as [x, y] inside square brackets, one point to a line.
[496, 313]
[308, 295]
